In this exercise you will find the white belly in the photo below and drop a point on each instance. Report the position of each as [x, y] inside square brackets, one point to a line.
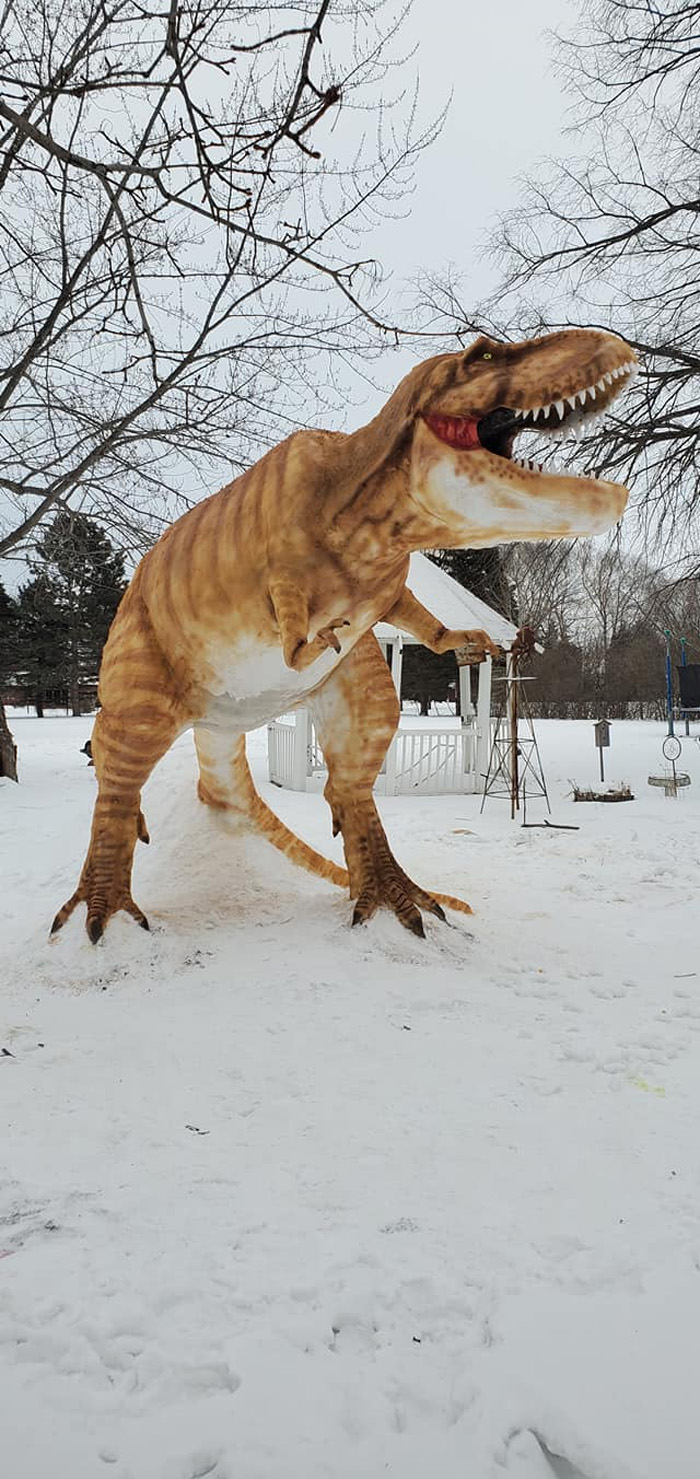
[253, 684]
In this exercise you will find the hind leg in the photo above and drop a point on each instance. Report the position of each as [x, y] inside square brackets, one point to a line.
[140, 717]
[225, 782]
[356, 713]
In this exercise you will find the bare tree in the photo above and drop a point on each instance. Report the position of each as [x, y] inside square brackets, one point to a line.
[179, 251]
[545, 587]
[611, 235]
[603, 615]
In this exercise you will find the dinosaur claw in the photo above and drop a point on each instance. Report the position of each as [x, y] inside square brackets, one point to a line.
[95, 928]
[439, 912]
[137, 914]
[65, 912]
[415, 924]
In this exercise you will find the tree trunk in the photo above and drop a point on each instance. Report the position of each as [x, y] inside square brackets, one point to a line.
[8, 749]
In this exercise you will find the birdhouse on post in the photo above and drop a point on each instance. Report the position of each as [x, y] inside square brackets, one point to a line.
[602, 739]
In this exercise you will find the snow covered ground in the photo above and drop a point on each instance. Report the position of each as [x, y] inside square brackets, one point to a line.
[282, 1200]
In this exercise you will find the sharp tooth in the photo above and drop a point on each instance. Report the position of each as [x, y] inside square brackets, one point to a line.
[546, 410]
[536, 412]
[518, 412]
[559, 406]
[590, 390]
[609, 376]
[600, 384]
[582, 397]
[571, 401]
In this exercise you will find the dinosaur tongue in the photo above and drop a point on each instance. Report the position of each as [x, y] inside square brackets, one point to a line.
[457, 431]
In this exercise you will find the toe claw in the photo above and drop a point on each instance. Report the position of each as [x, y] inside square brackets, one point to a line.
[95, 928]
[136, 913]
[65, 912]
[414, 923]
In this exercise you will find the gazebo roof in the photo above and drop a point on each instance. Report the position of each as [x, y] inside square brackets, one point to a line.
[446, 599]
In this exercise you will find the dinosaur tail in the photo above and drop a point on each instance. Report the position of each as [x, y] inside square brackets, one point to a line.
[299, 852]
[449, 902]
[295, 849]
[244, 798]
[263, 818]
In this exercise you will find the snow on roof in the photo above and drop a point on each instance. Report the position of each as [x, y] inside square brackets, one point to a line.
[446, 599]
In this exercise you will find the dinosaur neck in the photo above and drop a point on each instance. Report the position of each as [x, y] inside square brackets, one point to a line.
[369, 513]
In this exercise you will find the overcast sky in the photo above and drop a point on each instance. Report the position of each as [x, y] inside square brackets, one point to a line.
[508, 111]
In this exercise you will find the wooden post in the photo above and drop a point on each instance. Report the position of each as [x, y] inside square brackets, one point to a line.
[483, 718]
[301, 747]
[466, 706]
[397, 663]
[396, 670]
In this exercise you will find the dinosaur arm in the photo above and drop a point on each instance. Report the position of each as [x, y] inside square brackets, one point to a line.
[412, 617]
[291, 609]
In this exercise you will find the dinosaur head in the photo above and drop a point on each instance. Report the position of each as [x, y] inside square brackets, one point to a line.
[468, 411]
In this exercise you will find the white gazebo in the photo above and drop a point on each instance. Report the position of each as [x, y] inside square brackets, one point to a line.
[426, 756]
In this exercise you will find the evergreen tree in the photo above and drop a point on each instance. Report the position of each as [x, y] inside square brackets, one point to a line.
[8, 657]
[9, 616]
[66, 609]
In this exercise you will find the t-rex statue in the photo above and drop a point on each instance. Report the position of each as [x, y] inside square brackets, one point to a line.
[264, 597]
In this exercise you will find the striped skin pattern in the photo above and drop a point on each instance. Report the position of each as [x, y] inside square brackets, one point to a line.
[263, 597]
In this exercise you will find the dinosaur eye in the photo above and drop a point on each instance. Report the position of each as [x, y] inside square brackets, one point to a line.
[487, 356]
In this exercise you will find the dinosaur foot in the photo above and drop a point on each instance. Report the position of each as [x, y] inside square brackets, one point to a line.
[99, 911]
[377, 880]
[105, 885]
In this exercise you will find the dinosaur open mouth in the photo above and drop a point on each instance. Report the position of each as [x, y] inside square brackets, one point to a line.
[569, 415]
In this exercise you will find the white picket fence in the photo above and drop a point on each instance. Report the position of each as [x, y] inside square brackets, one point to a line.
[424, 760]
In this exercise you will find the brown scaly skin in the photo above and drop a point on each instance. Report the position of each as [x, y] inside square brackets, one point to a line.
[264, 596]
